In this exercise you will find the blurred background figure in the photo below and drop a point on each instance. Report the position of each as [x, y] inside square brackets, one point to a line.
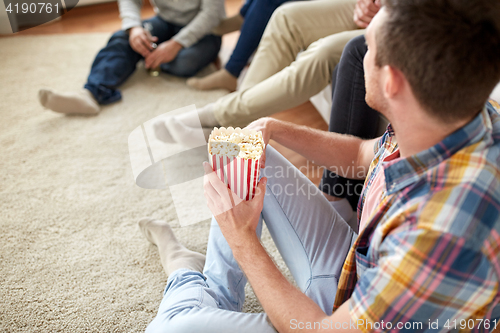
[178, 40]
[280, 78]
[252, 20]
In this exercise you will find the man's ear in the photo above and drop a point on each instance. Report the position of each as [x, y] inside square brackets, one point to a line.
[393, 81]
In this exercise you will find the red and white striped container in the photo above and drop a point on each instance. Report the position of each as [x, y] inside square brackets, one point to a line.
[240, 174]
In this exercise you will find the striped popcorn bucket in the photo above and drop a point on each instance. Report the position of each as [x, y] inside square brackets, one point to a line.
[240, 174]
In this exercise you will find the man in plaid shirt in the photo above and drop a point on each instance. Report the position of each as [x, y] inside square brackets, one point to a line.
[427, 257]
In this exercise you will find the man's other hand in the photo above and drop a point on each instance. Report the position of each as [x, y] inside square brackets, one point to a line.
[165, 52]
[237, 218]
[140, 40]
[365, 11]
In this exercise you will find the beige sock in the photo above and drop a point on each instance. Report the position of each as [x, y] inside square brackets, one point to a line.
[220, 79]
[173, 254]
[228, 25]
[81, 102]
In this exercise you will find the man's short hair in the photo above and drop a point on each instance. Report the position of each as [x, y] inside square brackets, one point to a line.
[448, 50]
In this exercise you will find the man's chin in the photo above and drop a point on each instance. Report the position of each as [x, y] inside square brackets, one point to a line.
[377, 105]
[372, 102]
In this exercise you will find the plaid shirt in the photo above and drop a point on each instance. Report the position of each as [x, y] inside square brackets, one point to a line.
[430, 252]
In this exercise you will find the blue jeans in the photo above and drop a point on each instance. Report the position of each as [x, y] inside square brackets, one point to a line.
[256, 13]
[311, 237]
[117, 60]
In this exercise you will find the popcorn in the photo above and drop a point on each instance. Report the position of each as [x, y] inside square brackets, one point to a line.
[235, 156]
[250, 143]
[224, 148]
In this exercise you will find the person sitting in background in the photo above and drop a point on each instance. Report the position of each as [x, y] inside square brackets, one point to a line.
[252, 18]
[349, 115]
[427, 255]
[277, 79]
[182, 32]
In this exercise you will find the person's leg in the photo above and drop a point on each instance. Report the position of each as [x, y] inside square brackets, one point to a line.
[233, 23]
[173, 255]
[350, 115]
[310, 235]
[292, 86]
[111, 67]
[208, 302]
[292, 28]
[117, 61]
[312, 238]
[256, 13]
[245, 7]
[191, 60]
[256, 19]
[74, 102]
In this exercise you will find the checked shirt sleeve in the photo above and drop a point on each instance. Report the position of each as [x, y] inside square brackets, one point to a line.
[423, 276]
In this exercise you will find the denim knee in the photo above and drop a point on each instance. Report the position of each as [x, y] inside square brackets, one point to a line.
[166, 326]
[191, 60]
[181, 324]
[119, 42]
[185, 66]
[119, 37]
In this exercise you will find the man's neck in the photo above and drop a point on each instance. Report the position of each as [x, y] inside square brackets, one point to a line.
[417, 131]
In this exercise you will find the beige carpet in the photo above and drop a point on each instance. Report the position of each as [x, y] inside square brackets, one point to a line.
[72, 258]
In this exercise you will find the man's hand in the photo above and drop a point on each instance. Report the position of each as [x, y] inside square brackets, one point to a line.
[165, 52]
[237, 219]
[140, 40]
[365, 11]
[265, 126]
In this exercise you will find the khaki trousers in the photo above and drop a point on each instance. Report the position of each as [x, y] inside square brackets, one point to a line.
[277, 79]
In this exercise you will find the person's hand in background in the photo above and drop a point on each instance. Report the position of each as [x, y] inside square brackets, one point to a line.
[165, 52]
[140, 40]
[365, 11]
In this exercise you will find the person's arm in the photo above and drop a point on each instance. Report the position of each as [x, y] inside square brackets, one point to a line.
[425, 277]
[207, 18]
[202, 24]
[287, 307]
[349, 156]
[130, 13]
[140, 40]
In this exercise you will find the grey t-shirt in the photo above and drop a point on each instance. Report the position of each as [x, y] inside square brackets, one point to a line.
[198, 17]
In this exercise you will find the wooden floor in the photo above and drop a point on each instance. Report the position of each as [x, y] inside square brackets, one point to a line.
[105, 18]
